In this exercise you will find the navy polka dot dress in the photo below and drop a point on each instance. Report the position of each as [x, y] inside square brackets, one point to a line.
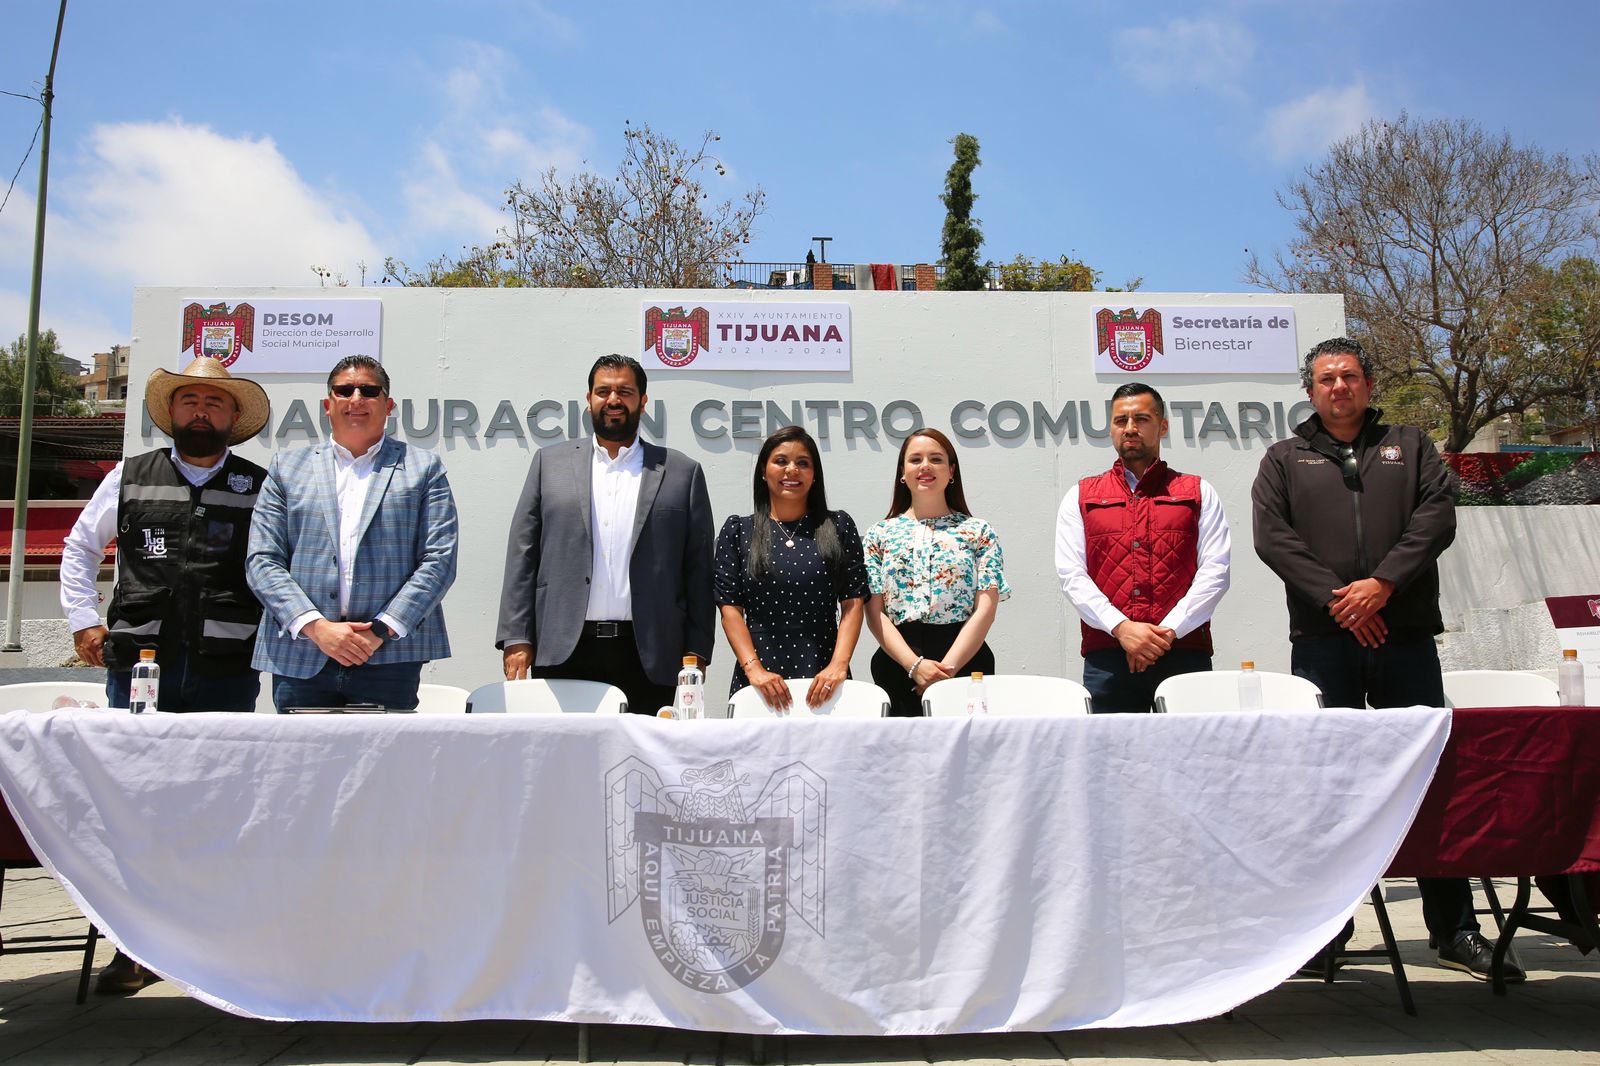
[792, 612]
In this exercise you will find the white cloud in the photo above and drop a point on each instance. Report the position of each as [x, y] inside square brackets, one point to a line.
[1302, 128]
[177, 204]
[482, 143]
[1208, 52]
[436, 201]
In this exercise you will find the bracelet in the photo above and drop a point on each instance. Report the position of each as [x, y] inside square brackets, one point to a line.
[912, 673]
[746, 664]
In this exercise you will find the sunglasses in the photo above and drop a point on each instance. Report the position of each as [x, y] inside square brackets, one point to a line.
[371, 392]
[1350, 467]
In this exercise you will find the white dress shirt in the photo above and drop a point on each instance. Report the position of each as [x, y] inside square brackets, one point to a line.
[613, 504]
[352, 479]
[1194, 610]
[85, 545]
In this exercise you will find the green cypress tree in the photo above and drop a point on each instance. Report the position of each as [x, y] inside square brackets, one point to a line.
[961, 239]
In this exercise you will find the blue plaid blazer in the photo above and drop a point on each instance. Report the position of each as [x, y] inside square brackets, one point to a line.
[405, 560]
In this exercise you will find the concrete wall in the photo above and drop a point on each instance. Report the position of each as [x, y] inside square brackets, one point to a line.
[932, 349]
[1495, 577]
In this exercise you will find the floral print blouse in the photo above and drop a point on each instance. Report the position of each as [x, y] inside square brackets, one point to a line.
[932, 569]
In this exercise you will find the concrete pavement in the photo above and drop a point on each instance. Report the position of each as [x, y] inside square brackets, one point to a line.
[1554, 1019]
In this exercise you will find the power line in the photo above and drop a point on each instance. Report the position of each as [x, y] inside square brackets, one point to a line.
[19, 96]
[22, 164]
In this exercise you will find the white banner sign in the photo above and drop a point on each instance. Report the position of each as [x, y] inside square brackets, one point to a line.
[280, 336]
[745, 336]
[1577, 622]
[1195, 340]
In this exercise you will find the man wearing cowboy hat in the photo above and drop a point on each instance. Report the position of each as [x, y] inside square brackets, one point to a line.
[181, 516]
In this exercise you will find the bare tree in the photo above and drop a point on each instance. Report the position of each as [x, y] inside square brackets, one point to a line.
[1433, 231]
[651, 225]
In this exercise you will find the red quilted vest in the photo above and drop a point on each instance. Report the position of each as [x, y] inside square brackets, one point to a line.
[1142, 546]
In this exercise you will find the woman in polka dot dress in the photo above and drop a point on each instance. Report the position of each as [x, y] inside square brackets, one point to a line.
[790, 580]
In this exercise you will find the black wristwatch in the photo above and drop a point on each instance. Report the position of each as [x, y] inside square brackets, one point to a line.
[382, 629]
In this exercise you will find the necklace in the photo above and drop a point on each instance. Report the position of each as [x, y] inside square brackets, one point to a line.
[788, 538]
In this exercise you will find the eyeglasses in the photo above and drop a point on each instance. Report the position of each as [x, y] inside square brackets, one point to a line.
[371, 392]
[1350, 467]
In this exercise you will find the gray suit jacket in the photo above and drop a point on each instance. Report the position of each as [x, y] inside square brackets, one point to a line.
[550, 556]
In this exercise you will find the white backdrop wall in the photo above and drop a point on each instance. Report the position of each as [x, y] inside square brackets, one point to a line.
[467, 366]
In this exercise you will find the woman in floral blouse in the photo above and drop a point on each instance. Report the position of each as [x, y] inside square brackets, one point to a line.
[936, 575]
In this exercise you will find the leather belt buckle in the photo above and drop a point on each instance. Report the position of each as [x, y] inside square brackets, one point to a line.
[607, 629]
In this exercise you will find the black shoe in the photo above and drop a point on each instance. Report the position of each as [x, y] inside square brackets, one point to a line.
[121, 976]
[1472, 954]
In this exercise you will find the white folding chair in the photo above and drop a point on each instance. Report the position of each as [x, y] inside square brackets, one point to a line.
[441, 699]
[1499, 688]
[1009, 694]
[546, 696]
[39, 695]
[1218, 690]
[852, 699]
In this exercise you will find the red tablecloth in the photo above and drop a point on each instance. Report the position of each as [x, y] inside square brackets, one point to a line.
[14, 850]
[1517, 793]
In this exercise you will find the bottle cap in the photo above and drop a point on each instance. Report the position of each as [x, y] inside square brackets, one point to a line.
[977, 675]
[148, 655]
[1248, 664]
[691, 660]
[1569, 653]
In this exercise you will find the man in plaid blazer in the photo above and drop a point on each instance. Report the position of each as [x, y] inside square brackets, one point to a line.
[352, 546]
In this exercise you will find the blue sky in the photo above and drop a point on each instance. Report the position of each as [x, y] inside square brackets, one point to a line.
[242, 143]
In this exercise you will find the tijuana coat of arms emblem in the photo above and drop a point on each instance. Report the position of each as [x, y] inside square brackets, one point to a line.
[1131, 341]
[219, 331]
[716, 878]
[677, 335]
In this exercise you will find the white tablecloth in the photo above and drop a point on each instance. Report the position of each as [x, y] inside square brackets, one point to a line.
[848, 877]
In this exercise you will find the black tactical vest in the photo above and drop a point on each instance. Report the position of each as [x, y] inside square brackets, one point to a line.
[180, 565]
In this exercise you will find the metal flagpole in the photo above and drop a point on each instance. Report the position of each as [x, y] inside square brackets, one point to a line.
[19, 520]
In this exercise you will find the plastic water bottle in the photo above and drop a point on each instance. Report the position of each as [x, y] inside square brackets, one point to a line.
[690, 699]
[1569, 679]
[977, 694]
[1249, 686]
[145, 687]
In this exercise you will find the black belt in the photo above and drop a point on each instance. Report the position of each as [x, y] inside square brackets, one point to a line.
[608, 629]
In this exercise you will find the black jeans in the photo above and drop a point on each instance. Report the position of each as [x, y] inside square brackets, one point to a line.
[1403, 671]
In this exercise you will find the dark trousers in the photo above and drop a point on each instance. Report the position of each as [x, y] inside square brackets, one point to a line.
[1115, 689]
[1403, 671]
[390, 685]
[615, 661]
[183, 689]
[931, 641]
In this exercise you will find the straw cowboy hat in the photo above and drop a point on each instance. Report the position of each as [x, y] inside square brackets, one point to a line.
[251, 398]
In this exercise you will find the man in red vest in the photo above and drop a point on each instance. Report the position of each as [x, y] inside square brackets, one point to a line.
[1142, 552]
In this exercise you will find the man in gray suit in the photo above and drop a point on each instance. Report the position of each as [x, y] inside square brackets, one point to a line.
[608, 566]
[352, 546]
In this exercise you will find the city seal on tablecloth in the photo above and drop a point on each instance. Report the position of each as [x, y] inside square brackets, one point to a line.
[716, 879]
